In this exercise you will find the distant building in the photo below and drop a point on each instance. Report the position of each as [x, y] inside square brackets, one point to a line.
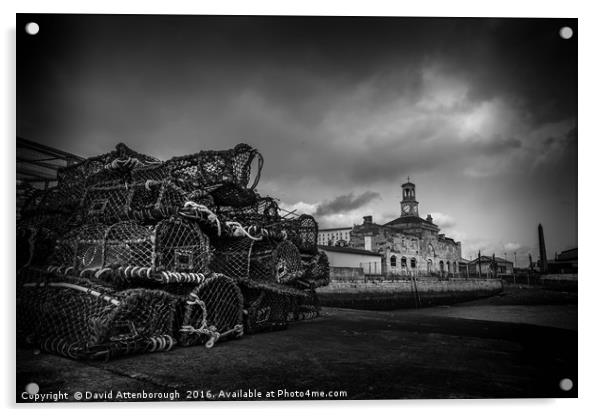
[409, 244]
[343, 257]
[334, 237]
[564, 263]
[484, 266]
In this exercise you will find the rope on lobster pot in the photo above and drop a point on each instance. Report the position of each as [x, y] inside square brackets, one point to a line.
[211, 216]
[210, 331]
[149, 183]
[240, 231]
[75, 287]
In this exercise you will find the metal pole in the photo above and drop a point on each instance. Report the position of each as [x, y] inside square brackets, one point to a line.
[513, 269]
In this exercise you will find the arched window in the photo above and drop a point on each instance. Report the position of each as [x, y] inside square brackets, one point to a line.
[448, 266]
[455, 267]
[404, 262]
[413, 263]
[441, 266]
[393, 261]
[429, 265]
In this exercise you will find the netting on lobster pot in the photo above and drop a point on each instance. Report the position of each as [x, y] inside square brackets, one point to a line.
[232, 256]
[173, 251]
[128, 244]
[64, 199]
[212, 312]
[303, 232]
[275, 262]
[152, 172]
[79, 319]
[209, 168]
[270, 306]
[80, 249]
[152, 200]
[234, 195]
[181, 246]
[106, 203]
[262, 213]
[316, 271]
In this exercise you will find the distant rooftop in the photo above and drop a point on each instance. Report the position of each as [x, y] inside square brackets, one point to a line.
[335, 228]
[343, 249]
[484, 258]
[409, 219]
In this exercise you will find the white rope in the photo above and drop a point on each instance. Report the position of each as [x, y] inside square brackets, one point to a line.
[211, 216]
[74, 287]
[239, 231]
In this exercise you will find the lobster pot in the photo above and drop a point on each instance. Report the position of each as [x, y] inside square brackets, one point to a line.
[270, 307]
[121, 160]
[131, 250]
[275, 262]
[210, 168]
[79, 319]
[303, 232]
[262, 213]
[263, 260]
[317, 271]
[150, 200]
[213, 311]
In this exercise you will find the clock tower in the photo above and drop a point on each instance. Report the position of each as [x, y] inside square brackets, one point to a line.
[409, 205]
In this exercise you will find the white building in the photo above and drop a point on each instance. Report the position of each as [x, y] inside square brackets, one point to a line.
[370, 262]
[337, 236]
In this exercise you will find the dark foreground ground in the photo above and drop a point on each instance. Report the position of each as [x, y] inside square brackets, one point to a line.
[520, 343]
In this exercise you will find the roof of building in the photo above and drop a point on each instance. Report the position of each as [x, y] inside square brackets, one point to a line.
[568, 255]
[485, 258]
[344, 249]
[409, 219]
[335, 228]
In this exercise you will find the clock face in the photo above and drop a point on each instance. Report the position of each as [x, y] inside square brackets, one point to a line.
[406, 209]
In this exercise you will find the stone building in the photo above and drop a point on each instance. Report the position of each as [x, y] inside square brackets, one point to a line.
[409, 244]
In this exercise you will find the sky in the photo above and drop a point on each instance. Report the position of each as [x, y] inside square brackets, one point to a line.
[481, 114]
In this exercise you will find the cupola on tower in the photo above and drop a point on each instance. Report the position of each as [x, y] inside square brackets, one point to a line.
[409, 205]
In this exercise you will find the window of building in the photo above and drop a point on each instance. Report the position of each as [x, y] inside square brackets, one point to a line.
[393, 261]
[413, 263]
[404, 262]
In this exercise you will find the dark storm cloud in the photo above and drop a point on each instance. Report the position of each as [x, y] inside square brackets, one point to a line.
[335, 105]
[345, 203]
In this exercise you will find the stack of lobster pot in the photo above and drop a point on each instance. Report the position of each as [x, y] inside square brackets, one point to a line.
[130, 254]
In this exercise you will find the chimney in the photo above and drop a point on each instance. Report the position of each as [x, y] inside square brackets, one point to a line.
[367, 219]
[543, 258]
[429, 218]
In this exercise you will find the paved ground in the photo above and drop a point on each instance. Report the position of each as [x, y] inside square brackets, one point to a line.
[491, 348]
